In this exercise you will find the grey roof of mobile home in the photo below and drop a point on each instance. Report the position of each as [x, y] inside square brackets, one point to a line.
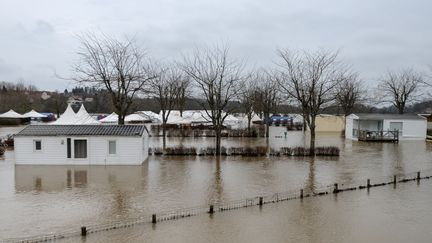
[82, 130]
[377, 116]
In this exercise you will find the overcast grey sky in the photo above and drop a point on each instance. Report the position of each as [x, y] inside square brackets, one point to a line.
[38, 38]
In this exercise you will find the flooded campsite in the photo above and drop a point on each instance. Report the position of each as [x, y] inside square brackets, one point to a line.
[215, 121]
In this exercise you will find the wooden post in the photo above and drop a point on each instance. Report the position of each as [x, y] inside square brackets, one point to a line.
[335, 190]
[301, 193]
[418, 175]
[211, 210]
[260, 201]
[368, 183]
[394, 180]
[154, 218]
[83, 231]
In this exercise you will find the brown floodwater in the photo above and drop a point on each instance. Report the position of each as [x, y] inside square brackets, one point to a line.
[384, 214]
[41, 199]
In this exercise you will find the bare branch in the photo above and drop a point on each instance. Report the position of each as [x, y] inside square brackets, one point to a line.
[120, 67]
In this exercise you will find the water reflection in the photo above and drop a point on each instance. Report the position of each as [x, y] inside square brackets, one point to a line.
[310, 183]
[57, 178]
[47, 178]
[216, 188]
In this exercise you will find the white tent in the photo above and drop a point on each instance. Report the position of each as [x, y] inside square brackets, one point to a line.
[34, 114]
[255, 118]
[297, 118]
[84, 118]
[12, 114]
[232, 121]
[135, 118]
[112, 118]
[69, 117]
[150, 116]
[175, 118]
[197, 116]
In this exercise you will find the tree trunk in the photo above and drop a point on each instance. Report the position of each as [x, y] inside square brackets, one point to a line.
[267, 124]
[218, 141]
[312, 136]
[163, 129]
[304, 123]
[163, 135]
[267, 130]
[121, 118]
[163, 143]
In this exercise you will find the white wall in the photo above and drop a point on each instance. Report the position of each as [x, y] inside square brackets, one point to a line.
[349, 126]
[130, 151]
[411, 129]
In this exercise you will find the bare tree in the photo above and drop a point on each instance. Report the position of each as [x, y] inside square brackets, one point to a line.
[166, 89]
[118, 66]
[217, 80]
[400, 88]
[349, 93]
[266, 96]
[247, 101]
[310, 79]
[183, 93]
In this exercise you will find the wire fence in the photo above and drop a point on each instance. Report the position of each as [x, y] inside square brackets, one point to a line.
[231, 205]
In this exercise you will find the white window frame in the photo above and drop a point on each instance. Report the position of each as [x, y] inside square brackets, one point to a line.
[34, 145]
[115, 142]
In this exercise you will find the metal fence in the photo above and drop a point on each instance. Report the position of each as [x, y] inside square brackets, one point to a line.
[231, 205]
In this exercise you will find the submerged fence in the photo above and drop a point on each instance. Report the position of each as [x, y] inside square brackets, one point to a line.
[231, 205]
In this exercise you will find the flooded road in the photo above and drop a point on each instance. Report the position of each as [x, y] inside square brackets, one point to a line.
[41, 199]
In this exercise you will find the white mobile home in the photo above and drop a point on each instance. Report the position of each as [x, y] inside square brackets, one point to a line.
[82, 145]
[368, 126]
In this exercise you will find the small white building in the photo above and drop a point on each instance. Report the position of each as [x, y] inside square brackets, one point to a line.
[82, 145]
[369, 125]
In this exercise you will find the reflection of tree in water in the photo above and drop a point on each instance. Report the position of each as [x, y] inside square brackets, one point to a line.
[311, 183]
[398, 158]
[120, 205]
[216, 189]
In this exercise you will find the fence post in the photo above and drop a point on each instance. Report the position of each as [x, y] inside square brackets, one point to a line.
[301, 193]
[83, 231]
[260, 201]
[368, 183]
[394, 180]
[418, 175]
[211, 210]
[335, 190]
[154, 218]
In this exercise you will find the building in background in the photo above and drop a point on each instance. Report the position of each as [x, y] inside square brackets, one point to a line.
[376, 127]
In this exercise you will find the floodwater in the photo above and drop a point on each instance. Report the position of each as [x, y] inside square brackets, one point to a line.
[384, 214]
[41, 199]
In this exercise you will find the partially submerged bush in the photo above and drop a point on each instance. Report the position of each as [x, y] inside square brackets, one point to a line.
[248, 151]
[158, 151]
[327, 151]
[185, 151]
[300, 151]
